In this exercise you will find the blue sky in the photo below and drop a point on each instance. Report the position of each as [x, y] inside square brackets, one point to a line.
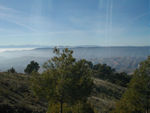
[75, 22]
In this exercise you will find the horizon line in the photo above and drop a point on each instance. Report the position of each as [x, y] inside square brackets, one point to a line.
[52, 46]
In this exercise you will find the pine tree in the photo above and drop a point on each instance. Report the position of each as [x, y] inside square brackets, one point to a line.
[137, 97]
[64, 81]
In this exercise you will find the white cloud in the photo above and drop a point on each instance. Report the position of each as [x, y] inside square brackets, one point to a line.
[6, 9]
[14, 49]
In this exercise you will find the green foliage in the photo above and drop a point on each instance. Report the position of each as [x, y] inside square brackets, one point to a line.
[33, 66]
[11, 70]
[121, 79]
[105, 72]
[136, 99]
[77, 108]
[84, 108]
[65, 80]
[16, 96]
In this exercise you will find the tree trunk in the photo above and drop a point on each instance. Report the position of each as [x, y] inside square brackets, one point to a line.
[61, 106]
[79, 107]
[147, 107]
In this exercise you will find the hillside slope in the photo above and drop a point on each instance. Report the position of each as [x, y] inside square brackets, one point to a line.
[16, 97]
[105, 95]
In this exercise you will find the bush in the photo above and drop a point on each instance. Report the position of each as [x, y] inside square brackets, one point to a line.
[11, 70]
[33, 66]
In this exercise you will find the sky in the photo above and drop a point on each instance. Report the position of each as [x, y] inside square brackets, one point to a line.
[75, 22]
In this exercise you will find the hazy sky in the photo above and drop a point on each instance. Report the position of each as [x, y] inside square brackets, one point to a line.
[75, 22]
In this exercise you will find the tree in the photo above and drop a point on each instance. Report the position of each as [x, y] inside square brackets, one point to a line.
[105, 72]
[137, 97]
[64, 80]
[33, 66]
[12, 70]
[121, 79]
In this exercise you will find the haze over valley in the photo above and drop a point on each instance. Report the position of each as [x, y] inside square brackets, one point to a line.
[121, 58]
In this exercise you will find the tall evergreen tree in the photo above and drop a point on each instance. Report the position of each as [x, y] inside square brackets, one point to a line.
[137, 97]
[64, 81]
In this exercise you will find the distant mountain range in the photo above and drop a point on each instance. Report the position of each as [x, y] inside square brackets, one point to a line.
[23, 46]
[121, 58]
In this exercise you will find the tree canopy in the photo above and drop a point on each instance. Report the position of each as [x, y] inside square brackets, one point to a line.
[137, 97]
[33, 66]
[64, 81]
[105, 72]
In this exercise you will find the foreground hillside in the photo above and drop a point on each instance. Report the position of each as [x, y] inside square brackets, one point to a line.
[16, 97]
[105, 95]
